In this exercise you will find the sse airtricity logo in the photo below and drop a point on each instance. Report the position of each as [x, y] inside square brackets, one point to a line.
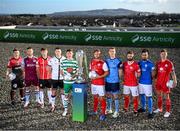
[6, 35]
[88, 37]
[45, 36]
[135, 38]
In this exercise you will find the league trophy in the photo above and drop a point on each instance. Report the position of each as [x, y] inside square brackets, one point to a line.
[80, 56]
[79, 103]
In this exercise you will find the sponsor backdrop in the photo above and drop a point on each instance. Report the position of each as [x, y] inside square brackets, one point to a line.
[137, 39]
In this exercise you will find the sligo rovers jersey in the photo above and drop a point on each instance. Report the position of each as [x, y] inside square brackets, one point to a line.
[130, 73]
[43, 68]
[99, 66]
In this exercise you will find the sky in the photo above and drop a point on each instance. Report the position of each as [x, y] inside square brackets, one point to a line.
[51, 6]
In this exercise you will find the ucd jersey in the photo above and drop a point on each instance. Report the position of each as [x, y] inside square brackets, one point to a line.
[113, 66]
[146, 72]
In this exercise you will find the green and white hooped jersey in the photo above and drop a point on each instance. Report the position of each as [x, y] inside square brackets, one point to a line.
[69, 67]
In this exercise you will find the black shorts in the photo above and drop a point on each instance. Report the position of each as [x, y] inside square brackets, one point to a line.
[112, 87]
[44, 83]
[57, 83]
[17, 83]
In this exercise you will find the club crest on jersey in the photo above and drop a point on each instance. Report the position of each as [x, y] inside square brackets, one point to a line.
[146, 65]
[161, 69]
[131, 67]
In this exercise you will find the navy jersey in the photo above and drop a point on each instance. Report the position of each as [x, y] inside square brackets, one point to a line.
[146, 72]
[113, 66]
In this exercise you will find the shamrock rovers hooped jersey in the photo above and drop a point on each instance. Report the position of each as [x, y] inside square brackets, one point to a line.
[69, 67]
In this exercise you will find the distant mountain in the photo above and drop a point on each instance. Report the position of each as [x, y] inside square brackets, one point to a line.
[99, 12]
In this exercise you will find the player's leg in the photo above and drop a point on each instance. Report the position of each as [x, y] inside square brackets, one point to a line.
[67, 90]
[53, 96]
[49, 90]
[148, 93]
[142, 98]
[27, 93]
[115, 92]
[35, 83]
[108, 98]
[135, 95]
[101, 94]
[13, 92]
[41, 91]
[95, 99]
[159, 101]
[159, 98]
[168, 104]
[126, 92]
[21, 90]
[61, 84]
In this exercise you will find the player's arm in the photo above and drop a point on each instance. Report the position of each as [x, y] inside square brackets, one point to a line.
[9, 69]
[173, 75]
[23, 68]
[37, 69]
[138, 71]
[106, 72]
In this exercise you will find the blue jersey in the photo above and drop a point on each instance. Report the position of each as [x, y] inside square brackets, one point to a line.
[113, 66]
[146, 72]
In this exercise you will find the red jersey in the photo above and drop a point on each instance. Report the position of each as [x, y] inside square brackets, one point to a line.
[15, 65]
[99, 66]
[164, 69]
[43, 68]
[130, 73]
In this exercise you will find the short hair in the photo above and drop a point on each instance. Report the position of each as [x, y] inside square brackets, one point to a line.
[145, 51]
[97, 50]
[15, 49]
[69, 50]
[57, 48]
[130, 52]
[163, 50]
[112, 48]
[29, 48]
[43, 49]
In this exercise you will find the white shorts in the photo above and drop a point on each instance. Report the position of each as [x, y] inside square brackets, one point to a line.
[130, 89]
[98, 90]
[145, 89]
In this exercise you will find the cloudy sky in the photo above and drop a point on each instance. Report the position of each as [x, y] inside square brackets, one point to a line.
[50, 6]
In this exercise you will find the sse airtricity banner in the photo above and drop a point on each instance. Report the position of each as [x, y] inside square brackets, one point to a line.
[136, 39]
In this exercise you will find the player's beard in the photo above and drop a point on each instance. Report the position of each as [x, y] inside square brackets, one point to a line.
[131, 59]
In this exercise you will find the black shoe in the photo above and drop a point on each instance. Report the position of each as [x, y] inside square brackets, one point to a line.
[150, 115]
[140, 110]
[135, 113]
[23, 99]
[13, 103]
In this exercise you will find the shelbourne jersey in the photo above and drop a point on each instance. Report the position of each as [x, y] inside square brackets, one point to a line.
[99, 66]
[146, 71]
[164, 69]
[113, 66]
[43, 68]
[29, 65]
[55, 64]
[69, 67]
[15, 65]
[130, 71]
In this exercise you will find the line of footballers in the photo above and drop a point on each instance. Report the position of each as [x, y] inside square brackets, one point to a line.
[138, 80]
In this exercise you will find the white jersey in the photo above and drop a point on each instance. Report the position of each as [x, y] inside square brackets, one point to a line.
[55, 64]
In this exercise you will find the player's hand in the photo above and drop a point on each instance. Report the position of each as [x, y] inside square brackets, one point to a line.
[174, 84]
